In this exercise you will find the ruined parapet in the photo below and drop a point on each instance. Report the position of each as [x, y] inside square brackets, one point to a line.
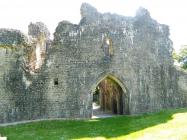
[153, 37]
[38, 29]
[89, 14]
[13, 44]
[64, 30]
[39, 41]
[138, 32]
[12, 38]
[32, 48]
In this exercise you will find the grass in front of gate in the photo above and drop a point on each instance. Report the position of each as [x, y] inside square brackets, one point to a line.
[164, 125]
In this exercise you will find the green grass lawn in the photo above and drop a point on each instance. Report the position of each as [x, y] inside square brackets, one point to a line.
[165, 125]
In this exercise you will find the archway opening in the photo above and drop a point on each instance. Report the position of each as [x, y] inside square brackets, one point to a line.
[108, 97]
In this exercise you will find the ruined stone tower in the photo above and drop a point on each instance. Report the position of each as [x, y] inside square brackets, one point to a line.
[41, 78]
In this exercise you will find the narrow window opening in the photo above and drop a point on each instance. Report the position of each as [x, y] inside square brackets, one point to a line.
[56, 81]
[107, 47]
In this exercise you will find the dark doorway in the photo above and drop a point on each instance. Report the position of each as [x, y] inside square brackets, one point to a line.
[114, 106]
[108, 98]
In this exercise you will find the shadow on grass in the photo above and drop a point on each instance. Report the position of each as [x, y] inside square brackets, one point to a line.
[77, 129]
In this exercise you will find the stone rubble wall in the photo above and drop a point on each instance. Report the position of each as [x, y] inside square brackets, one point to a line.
[136, 51]
[20, 90]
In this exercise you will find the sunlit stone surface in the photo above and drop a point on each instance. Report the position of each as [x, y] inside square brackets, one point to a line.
[40, 78]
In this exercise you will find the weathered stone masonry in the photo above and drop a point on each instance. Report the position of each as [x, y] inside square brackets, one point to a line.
[40, 78]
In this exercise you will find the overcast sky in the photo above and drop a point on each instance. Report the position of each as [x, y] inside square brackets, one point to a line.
[18, 14]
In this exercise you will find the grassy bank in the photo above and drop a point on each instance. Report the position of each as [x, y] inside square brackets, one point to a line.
[168, 124]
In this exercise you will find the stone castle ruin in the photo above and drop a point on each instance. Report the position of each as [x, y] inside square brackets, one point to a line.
[123, 63]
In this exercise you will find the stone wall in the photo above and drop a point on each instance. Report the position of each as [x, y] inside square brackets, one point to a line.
[21, 96]
[134, 51]
[11, 51]
[139, 54]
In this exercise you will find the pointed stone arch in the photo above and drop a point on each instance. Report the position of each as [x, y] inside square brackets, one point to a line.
[125, 93]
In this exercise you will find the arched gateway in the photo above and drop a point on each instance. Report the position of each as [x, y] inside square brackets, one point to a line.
[110, 96]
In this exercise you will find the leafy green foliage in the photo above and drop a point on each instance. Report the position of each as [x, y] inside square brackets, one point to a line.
[181, 57]
[175, 56]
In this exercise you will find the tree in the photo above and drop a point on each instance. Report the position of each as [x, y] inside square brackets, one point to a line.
[181, 57]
